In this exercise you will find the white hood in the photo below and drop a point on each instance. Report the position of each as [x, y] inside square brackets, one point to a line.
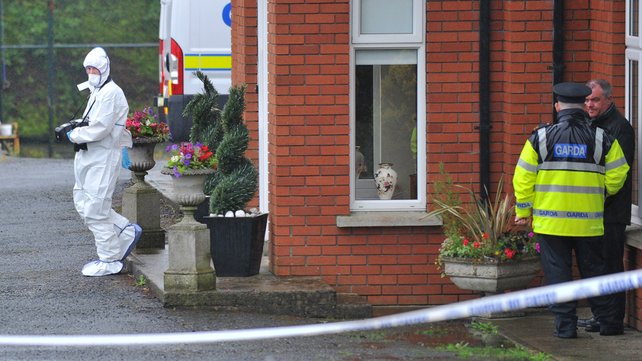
[98, 58]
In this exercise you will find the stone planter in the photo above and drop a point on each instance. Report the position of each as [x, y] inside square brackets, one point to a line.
[141, 156]
[187, 190]
[189, 258]
[141, 202]
[491, 276]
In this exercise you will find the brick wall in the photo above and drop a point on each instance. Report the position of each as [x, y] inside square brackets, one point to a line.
[244, 69]
[308, 140]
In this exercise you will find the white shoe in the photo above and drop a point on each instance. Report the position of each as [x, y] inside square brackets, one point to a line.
[100, 268]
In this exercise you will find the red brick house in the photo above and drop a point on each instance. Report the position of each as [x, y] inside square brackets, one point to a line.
[470, 78]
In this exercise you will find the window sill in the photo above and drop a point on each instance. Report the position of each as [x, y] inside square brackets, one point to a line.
[634, 236]
[387, 219]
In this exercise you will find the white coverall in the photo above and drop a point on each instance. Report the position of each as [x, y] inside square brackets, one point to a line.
[96, 169]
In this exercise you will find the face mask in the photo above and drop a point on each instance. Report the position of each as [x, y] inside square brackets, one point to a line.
[94, 79]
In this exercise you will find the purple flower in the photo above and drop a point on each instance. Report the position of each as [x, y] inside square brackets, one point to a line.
[537, 247]
[176, 172]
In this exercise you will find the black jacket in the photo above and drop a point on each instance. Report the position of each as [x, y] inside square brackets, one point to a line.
[617, 208]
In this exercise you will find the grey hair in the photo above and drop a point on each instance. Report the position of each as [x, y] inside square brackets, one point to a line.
[607, 90]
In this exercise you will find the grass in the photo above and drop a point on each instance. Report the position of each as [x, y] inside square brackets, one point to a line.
[141, 281]
[518, 353]
[485, 327]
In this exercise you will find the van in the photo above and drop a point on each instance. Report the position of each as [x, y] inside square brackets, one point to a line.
[193, 35]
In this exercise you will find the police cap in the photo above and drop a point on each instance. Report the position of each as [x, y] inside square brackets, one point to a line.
[571, 92]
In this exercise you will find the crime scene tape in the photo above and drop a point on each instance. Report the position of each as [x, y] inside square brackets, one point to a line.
[534, 297]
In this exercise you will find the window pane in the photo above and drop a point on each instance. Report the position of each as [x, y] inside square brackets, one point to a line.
[385, 119]
[634, 17]
[633, 114]
[386, 17]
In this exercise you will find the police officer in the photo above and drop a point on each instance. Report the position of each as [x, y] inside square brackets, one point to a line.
[563, 173]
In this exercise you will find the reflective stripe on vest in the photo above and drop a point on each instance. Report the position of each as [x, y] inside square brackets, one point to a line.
[567, 214]
[599, 137]
[568, 189]
[543, 150]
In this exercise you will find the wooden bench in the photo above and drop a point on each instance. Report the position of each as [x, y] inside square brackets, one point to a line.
[11, 142]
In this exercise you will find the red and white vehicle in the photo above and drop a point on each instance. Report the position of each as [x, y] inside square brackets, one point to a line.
[194, 35]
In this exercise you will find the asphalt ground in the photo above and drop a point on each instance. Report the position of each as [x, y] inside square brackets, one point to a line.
[42, 292]
[45, 244]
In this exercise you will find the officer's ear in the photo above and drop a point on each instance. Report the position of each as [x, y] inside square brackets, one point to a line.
[557, 106]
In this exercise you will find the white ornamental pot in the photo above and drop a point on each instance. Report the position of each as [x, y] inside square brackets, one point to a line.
[187, 190]
[490, 276]
[386, 180]
[141, 156]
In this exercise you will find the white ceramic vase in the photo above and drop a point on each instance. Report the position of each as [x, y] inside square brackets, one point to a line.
[385, 180]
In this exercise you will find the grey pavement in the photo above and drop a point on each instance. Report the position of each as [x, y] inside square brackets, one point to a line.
[42, 292]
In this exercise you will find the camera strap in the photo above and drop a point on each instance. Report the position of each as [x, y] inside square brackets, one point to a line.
[94, 102]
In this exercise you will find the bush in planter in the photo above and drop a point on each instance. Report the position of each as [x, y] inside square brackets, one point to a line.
[205, 114]
[236, 243]
[236, 180]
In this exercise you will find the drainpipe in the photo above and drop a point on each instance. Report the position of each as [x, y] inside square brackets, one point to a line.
[484, 98]
[558, 45]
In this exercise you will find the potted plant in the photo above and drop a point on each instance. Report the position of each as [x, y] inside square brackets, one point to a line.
[236, 234]
[146, 132]
[189, 165]
[141, 202]
[483, 250]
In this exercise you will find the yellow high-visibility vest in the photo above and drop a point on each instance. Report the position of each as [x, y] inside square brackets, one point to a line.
[561, 190]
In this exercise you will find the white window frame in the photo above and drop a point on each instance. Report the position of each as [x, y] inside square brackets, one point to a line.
[636, 55]
[414, 41]
[634, 52]
[416, 36]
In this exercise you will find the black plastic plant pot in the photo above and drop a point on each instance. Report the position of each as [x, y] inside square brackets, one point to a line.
[236, 244]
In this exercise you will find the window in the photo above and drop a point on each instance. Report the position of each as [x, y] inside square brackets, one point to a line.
[633, 95]
[388, 102]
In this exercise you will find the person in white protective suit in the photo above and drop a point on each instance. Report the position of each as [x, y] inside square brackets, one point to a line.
[96, 169]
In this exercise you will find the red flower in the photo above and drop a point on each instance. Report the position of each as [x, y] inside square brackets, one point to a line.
[476, 244]
[509, 253]
[485, 235]
[465, 242]
[205, 155]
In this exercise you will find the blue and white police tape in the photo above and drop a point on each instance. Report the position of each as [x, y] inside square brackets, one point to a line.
[512, 301]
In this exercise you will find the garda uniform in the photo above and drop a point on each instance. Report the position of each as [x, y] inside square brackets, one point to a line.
[564, 172]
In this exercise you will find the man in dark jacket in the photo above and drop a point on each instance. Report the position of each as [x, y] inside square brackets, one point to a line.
[617, 209]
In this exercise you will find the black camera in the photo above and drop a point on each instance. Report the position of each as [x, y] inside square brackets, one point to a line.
[62, 130]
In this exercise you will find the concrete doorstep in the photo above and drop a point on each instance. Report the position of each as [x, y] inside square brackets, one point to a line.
[264, 293]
